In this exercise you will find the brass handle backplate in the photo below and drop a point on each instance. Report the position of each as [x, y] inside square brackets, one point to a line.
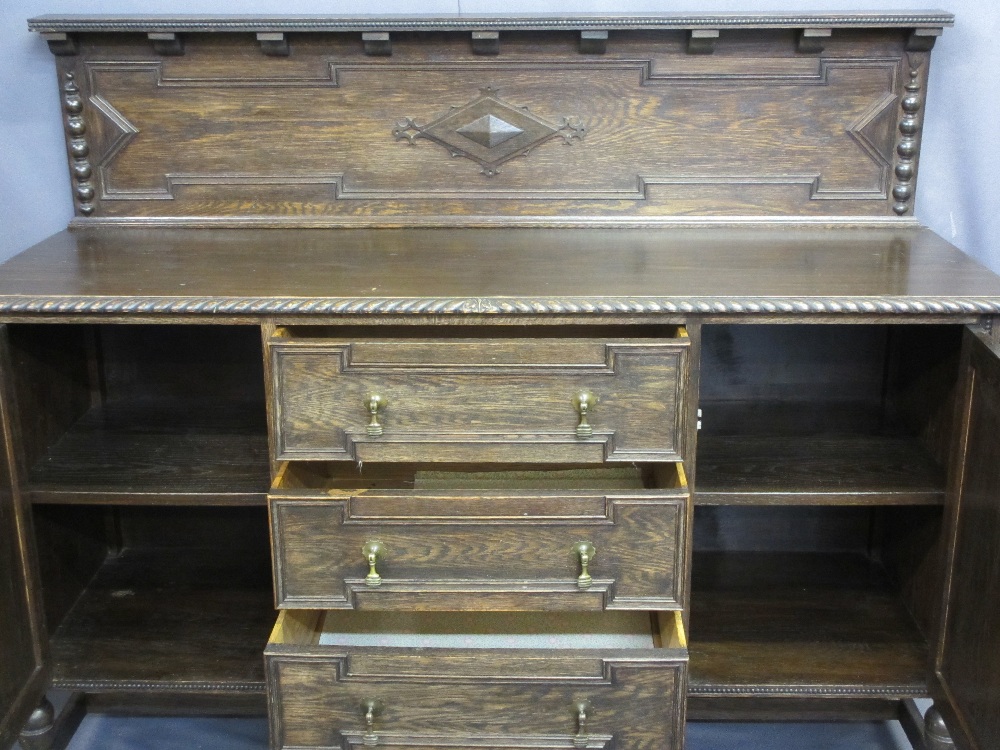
[582, 739]
[375, 404]
[585, 553]
[370, 708]
[373, 552]
[584, 403]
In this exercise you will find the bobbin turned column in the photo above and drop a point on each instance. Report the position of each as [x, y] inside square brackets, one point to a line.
[908, 147]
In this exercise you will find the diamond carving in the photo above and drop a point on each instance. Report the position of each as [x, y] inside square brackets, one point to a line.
[489, 131]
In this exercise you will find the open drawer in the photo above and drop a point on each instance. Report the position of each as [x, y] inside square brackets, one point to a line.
[412, 539]
[467, 680]
[437, 398]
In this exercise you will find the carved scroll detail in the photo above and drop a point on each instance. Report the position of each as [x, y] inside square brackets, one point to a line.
[489, 131]
[908, 146]
[79, 149]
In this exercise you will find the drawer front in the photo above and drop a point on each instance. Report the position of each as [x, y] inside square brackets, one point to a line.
[479, 400]
[631, 699]
[522, 551]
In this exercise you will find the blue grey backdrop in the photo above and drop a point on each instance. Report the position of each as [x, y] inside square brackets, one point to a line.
[959, 190]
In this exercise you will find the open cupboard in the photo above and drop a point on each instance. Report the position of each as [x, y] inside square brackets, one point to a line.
[467, 447]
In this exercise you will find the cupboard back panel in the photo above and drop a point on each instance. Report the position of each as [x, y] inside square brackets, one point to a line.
[792, 379]
[182, 362]
[236, 529]
[782, 529]
[801, 380]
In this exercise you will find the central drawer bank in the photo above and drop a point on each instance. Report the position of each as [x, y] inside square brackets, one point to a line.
[542, 382]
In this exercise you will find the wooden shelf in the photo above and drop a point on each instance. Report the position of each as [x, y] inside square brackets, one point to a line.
[158, 453]
[800, 625]
[840, 470]
[169, 621]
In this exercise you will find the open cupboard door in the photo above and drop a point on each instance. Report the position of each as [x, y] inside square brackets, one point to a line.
[967, 660]
[22, 674]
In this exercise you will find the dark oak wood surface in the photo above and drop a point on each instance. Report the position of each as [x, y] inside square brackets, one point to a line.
[682, 169]
[710, 270]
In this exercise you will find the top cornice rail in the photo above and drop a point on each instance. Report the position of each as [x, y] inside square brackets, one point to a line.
[73, 23]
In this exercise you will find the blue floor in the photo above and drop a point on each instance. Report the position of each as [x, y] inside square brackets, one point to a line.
[100, 732]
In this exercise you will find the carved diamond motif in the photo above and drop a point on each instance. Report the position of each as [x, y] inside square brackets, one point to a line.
[489, 131]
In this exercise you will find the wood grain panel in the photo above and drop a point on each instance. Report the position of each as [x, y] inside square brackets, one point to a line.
[754, 130]
[479, 551]
[478, 399]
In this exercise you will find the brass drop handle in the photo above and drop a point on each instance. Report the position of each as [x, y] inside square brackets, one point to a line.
[585, 552]
[375, 404]
[582, 739]
[584, 403]
[371, 708]
[373, 552]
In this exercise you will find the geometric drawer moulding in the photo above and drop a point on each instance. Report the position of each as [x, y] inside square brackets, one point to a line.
[489, 131]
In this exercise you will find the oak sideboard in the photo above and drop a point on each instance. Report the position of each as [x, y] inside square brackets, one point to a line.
[509, 382]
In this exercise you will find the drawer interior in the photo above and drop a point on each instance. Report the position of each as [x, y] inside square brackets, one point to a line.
[463, 331]
[481, 630]
[334, 478]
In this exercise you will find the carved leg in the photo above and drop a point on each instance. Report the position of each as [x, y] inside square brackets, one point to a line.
[47, 730]
[936, 734]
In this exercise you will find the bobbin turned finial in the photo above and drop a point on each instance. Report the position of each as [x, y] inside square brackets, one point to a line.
[908, 146]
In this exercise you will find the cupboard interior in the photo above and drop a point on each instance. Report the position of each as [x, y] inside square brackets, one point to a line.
[820, 479]
[821, 474]
[854, 414]
[161, 602]
[142, 413]
[143, 449]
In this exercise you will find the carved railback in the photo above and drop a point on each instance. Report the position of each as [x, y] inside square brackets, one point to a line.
[464, 122]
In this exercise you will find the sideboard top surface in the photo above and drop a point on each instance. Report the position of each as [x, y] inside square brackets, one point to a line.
[705, 270]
